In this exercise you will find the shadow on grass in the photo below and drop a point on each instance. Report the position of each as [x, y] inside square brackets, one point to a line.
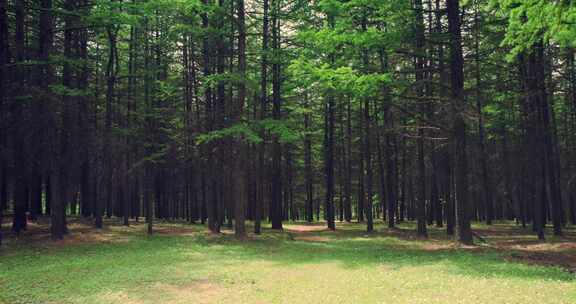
[353, 248]
[95, 267]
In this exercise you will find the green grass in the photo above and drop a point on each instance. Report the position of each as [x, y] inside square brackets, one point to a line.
[347, 266]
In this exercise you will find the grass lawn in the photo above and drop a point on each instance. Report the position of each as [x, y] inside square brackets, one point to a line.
[303, 264]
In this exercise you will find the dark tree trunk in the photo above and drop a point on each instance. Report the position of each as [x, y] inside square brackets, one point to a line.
[361, 190]
[486, 190]
[207, 179]
[421, 203]
[262, 115]
[19, 179]
[348, 178]
[111, 72]
[534, 165]
[367, 142]
[4, 77]
[148, 166]
[276, 201]
[381, 163]
[459, 124]
[242, 175]
[62, 154]
[308, 174]
[390, 170]
[369, 175]
[329, 149]
[420, 77]
[389, 178]
[448, 195]
[329, 163]
[509, 192]
[571, 103]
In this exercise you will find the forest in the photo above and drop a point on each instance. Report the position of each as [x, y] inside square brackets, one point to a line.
[260, 123]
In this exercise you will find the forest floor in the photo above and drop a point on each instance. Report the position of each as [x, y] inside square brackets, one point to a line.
[303, 264]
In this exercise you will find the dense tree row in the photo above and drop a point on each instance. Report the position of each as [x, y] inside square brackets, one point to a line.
[438, 111]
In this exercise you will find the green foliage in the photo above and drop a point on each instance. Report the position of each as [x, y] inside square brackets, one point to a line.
[249, 132]
[213, 80]
[530, 21]
[105, 13]
[285, 133]
[340, 80]
[62, 90]
[330, 7]
[241, 131]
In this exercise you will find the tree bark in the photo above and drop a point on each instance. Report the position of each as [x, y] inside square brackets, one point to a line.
[242, 178]
[348, 178]
[4, 89]
[308, 174]
[329, 147]
[459, 124]
[276, 201]
[20, 197]
[482, 155]
[262, 115]
[420, 76]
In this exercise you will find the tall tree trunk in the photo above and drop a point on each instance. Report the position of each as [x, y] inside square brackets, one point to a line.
[486, 195]
[262, 115]
[220, 176]
[148, 166]
[276, 201]
[420, 77]
[4, 76]
[459, 124]
[421, 203]
[62, 154]
[308, 174]
[551, 157]
[20, 196]
[367, 141]
[390, 170]
[348, 147]
[388, 179]
[509, 192]
[329, 147]
[571, 103]
[381, 163]
[111, 73]
[242, 179]
[207, 178]
[86, 127]
[361, 185]
[369, 174]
